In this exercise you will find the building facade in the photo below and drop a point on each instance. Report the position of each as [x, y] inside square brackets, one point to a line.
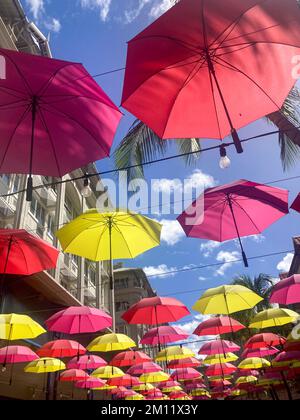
[131, 285]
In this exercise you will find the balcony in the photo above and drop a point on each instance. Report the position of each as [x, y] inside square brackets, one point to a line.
[70, 268]
[90, 290]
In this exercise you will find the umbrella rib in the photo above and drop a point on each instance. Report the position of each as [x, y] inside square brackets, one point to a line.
[250, 218]
[21, 249]
[61, 114]
[214, 100]
[49, 81]
[50, 138]
[16, 94]
[100, 239]
[14, 132]
[19, 72]
[188, 46]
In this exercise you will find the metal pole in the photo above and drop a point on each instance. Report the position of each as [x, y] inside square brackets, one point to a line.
[111, 275]
[237, 231]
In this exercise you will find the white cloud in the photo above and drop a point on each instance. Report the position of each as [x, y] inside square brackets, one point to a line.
[285, 265]
[201, 278]
[207, 248]
[132, 14]
[36, 7]
[172, 232]
[102, 5]
[53, 25]
[161, 271]
[161, 7]
[228, 258]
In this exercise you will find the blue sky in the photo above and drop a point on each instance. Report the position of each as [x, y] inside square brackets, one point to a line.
[95, 33]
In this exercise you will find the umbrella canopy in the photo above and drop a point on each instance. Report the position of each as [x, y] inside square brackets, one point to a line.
[143, 388]
[218, 326]
[73, 375]
[19, 327]
[254, 363]
[79, 320]
[195, 54]
[155, 377]
[108, 372]
[164, 335]
[45, 365]
[220, 358]
[287, 357]
[273, 318]
[61, 349]
[129, 358]
[57, 118]
[17, 354]
[91, 234]
[24, 254]
[264, 340]
[137, 397]
[220, 369]
[146, 367]
[224, 383]
[111, 342]
[154, 311]
[190, 362]
[124, 394]
[185, 374]
[90, 383]
[242, 208]
[87, 362]
[287, 291]
[126, 380]
[227, 300]
[174, 353]
[246, 380]
[199, 392]
[219, 347]
[261, 353]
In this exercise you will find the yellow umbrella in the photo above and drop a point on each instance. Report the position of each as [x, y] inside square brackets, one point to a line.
[238, 393]
[226, 300]
[220, 358]
[106, 388]
[171, 389]
[155, 377]
[174, 353]
[295, 365]
[19, 327]
[200, 393]
[45, 365]
[273, 318]
[268, 382]
[137, 397]
[108, 372]
[109, 236]
[254, 363]
[246, 380]
[111, 342]
[143, 387]
[219, 378]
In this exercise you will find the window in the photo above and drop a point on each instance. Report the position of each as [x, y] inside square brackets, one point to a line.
[90, 272]
[121, 284]
[122, 306]
[50, 226]
[16, 184]
[137, 283]
[5, 179]
[39, 213]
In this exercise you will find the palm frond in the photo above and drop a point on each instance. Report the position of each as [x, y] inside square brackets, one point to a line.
[190, 148]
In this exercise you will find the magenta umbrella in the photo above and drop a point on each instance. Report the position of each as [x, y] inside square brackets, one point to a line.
[164, 335]
[17, 354]
[87, 362]
[236, 210]
[185, 374]
[219, 347]
[261, 353]
[146, 367]
[287, 291]
[79, 320]
[55, 117]
[90, 383]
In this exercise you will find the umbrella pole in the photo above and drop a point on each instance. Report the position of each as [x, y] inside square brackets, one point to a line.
[156, 319]
[29, 189]
[4, 275]
[111, 276]
[238, 233]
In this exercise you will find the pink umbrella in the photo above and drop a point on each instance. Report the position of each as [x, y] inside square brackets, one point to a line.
[90, 383]
[261, 353]
[185, 374]
[287, 357]
[126, 380]
[73, 375]
[164, 335]
[129, 358]
[87, 362]
[17, 354]
[169, 384]
[123, 394]
[247, 372]
[236, 210]
[79, 320]
[221, 369]
[61, 349]
[118, 390]
[218, 326]
[177, 394]
[155, 393]
[140, 369]
[219, 347]
[259, 341]
[56, 118]
[287, 291]
[190, 362]
[192, 386]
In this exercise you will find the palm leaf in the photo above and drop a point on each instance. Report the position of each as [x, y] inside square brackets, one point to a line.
[187, 148]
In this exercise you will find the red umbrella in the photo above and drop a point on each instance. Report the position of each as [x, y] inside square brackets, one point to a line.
[61, 349]
[191, 362]
[292, 346]
[218, 326]
[17, 354]
[207, 63]
[164, 335]
[184, 374]
[261, 353]
[155, 311]
[221, 369]
[24, 254]
[194, 385]
[219, 347]
[90, 383]
[231, 211]
[129, 358]
[287, 291]
[73, 375]
[247, 372]
[125, 380]
[55, 117]
[87, 362]
[79, 320]
[123, 394]
[220, 383]
[169, 384]
[259, 341]
[146, 367]
[177, 394]
[296, 204]
[154, 393]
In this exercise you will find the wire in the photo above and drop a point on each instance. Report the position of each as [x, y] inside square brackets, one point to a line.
[127, 168]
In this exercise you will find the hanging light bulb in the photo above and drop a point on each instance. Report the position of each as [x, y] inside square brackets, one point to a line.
[86, 191]
[225, 162]
[3, 369]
